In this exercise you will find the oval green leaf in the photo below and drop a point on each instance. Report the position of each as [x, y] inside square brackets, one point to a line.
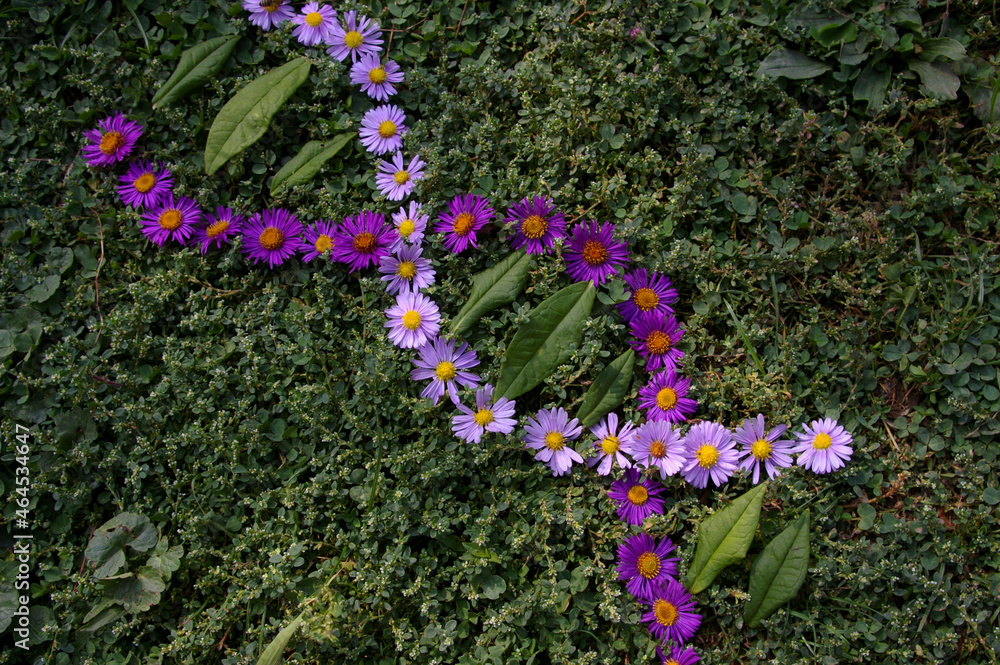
[272, 654]
[496, 286]
[724, 538]
[791, 64]
[538, 347]
[245, 117]
[608, 390]
[197, 66]
[304, 166]
[779, 571]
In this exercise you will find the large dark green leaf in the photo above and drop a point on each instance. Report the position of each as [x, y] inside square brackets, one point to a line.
[136, 592]
[304, 166]
[779, 571]
[608, 390]
[272, 654]
[494, 287]
[106, 545]
[872, 83]
[724, 538]
[245, 117]
[791, 64]
[197, 66]
[546, 340]
[937, 79]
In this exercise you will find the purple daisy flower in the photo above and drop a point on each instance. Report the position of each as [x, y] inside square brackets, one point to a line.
[382, 129]
[657, 444]
[643, 564]
[678, 656]
[537, 224]
[317, 240]
[396, 181]
[409, 226]
[271, 236]
[171, 220]
[711, 453]
[315, 24]
[650, 293]
[112, 141]
[145, 184]
[359, 37]
[550, 434]
[413, 320]
[671, 613]
[445, 366]
[763, 448]
[658, 337]
[593, 255]
[825, 446]
[467, 213]
[665, 397]
[407, 271]
[376, 79]
[489, 416]
[637, 497]
[225, 224]
[611, 442]
[362, 241]
[267, 14]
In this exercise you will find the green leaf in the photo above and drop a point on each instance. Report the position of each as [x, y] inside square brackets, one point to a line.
[272, 654]
[872, 83]
[546, 340]
[106, 545]
[838, 32]
[779, 571]
[791, 64]
[724, 538]
[304, 166]
[941, 47]
[492, 288]
[42, 292]
[106, 612]
[936, 79]
[197, 66]
[493, 587]
[608, 390]
[165, 561]
[136, 592]
[245, 117]
[985, 101]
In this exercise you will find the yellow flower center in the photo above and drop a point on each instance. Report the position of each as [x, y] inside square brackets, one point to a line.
[271, 5]
[170, 219]
[220, 226]
[484, 417]
[761, 449]
[353, 39]
[411, 320]
[111, 142]
[534, 227]
[648, 565]
[666, 613]
[666, 398]
[323, 243]
[657, 342]
[463, 223]
[144, 183]
[314, 18]
[707, 456]
[671, 662]
[387, 129]
[638, 495]
[364, 243]
[594, 253]
[272, 238]
[377, 75]
[610, 444]
[657, 449]
[407, 227]
[445, 371]
[554, 440]
[645, 299]
[401, 177]
[406, 269]
[822, 441]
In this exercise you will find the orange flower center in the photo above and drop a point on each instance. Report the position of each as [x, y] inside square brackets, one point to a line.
[594, 253]
[270, 5]
[645, 299]
[144, 183]
[387, 129]
[364, 243]
[323, 243]
[648, 565]
[272, 238]
[170, 219]
[463, 223]
[657, 449]
[666, 398]
[377, 75]
[111, 142]
[666, 613]
[638, 495]
[534, 226]
[657, 342]
[217, 228]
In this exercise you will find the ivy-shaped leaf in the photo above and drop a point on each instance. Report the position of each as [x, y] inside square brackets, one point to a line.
[245, 117]
[304, 166]
[272, 654]
[724, 538]
[608, 390]
[496, 286]
[165, 561]
[106, 545]
[136, 592]
[791, 64]
[779, 571]
[197, 66]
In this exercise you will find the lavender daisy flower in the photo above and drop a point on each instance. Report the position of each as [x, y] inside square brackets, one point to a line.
[267, 14]
[407, 271]
[711, 454]
[643, 564]
[317, 240]
[593, 255]
[112, 141]
[762, 449]
[637, 497]
[314, 25]
[171, 220]
[650, 293]
[145, 184]
[413, 320]
[445, 366]
[382, 129]
[396, 181]
[359, 37]
[226, 224]
[678, 656]
[671, 613]
[611, 441]
[376, 79]
[490, 416]
[657, 444]
[665, 397]
[409, 226]
[467, 213]
[271, 236]
[537, 224]
[825, 446]
[658, 339]
[362, 241]
[549, 435]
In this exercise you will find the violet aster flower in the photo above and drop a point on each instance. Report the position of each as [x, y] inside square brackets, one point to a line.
[445, 366]
[359, 37]
[549, 435]
[592, 253]
[671, 613]
[650, 293]
[112, 141]
[763, 448]
[490, 416]
[678, 656]
[637, 497]
[406, 271]
[413, 320]
[657, 444]
[665, 397]
[267, 14]
[711, 454]
[537, 224]
[315, 24]
[362, 241]
[825, 446]
[218, 229]
[657, 340]
[395, 180]
[643, 564]
[382, 129]
[611, 442]
[317, 240]
[145, 184]
[271, 236]
[171, 220]
[409, 226]
[376, 79]
[467, 213]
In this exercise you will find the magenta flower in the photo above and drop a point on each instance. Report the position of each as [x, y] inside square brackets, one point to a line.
[112, 141]
[678, 656]
[360, 37]
[643, 564]
[317, 240]
[145, 184]
[218, 230]
[362, 241]
[550, 435]
[467, 213]
[611, 443]
[671, 613]
[376, 79]
[446, 367]
[711, 454]
[537, 224]
[657, 340]
[650, 293]
[665, 397]
[637, 497]
[592, 254]
[271, 236]
[171, 220]
[382, 129]
[824, 446]
[490, 416]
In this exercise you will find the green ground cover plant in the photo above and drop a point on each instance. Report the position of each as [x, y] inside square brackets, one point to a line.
[221, 436]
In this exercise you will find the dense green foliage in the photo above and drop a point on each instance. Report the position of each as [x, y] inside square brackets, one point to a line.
[832, 260]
